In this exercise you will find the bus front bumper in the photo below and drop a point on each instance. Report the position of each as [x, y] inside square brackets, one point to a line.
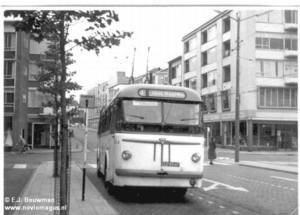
[159, 174]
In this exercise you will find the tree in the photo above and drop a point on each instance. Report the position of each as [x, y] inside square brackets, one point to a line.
[49, 74]
[42, 24]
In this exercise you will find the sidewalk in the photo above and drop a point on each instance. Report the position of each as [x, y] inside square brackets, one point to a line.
[75, 144]
[41, 188]
[261, 165]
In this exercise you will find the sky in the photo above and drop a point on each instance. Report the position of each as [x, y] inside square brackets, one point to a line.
[160, 28]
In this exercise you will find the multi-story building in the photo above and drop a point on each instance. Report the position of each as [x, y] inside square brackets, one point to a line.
[104, 93]
[23, 111]
[268, 84]
[175, 71]
[101, 99]
[16, 63]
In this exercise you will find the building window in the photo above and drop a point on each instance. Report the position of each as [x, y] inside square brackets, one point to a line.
[25, 70]
[269, 68]
[274, 16]
[190, 64]
[276, 41]
[225, 96]
[204, 100]
[290, 43]
[226, 25]
[187, 83]
[209, 34]
[176, 71]
[191, 83]
[33, 72]
[211, 79]
[291, 16]
[37, 98]
[290, 68]
[9, 41]
[226, 74]
[209, 56]
[9, 69]
[190, 45]
[204, 80]
[226, 48]
[277, 97]
[212, 102]
[9, 98]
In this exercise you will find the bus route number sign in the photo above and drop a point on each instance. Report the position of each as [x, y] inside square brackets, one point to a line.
[162, 93]
[171, 164]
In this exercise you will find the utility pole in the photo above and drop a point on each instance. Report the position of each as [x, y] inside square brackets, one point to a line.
[147, 78]
[237, 97]
[131, 80]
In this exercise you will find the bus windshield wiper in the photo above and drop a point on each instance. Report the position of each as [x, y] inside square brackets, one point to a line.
[139, 117]
[187, 119]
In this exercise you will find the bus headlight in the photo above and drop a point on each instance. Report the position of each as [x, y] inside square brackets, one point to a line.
[126, 155]
[196, 157]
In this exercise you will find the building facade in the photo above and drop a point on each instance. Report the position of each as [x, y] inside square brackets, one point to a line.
[16, 63]
[268, 83]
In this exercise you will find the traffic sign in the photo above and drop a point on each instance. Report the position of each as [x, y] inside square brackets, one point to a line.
[87, 101]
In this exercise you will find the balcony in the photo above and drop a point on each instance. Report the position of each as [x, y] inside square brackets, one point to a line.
[290, 53]
[46, 111]
[290, 26]
[291, 79]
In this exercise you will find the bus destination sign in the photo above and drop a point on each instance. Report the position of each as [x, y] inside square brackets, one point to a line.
[162, 93]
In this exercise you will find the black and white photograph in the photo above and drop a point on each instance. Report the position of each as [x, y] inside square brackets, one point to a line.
[150, 108]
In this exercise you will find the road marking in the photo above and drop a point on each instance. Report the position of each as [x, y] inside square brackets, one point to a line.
[215, 184]
[20, 166]
[221, 207]
[235, 212]
[283, 178]
[210, 202]
[200, 198]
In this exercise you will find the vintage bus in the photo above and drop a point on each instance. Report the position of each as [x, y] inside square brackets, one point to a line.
[152, 136]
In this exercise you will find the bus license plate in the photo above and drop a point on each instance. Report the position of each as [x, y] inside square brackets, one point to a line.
[173, 164]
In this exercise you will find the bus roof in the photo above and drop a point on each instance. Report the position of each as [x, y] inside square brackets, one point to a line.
[158, 92]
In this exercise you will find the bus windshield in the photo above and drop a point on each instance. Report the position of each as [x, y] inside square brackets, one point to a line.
[181, 114]
[142, 111]
[174, 113]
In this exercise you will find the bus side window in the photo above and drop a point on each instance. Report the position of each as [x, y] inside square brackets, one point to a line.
[119, 119]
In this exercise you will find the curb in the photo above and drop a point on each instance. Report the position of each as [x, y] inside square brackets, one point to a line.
[293, 170]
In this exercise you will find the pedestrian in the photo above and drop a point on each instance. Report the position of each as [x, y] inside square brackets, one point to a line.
[212, 150]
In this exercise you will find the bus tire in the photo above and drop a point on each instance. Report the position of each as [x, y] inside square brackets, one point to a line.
[109, 187]
[99, 174]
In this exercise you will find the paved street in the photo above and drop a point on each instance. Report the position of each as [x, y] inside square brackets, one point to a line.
[227, 188]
